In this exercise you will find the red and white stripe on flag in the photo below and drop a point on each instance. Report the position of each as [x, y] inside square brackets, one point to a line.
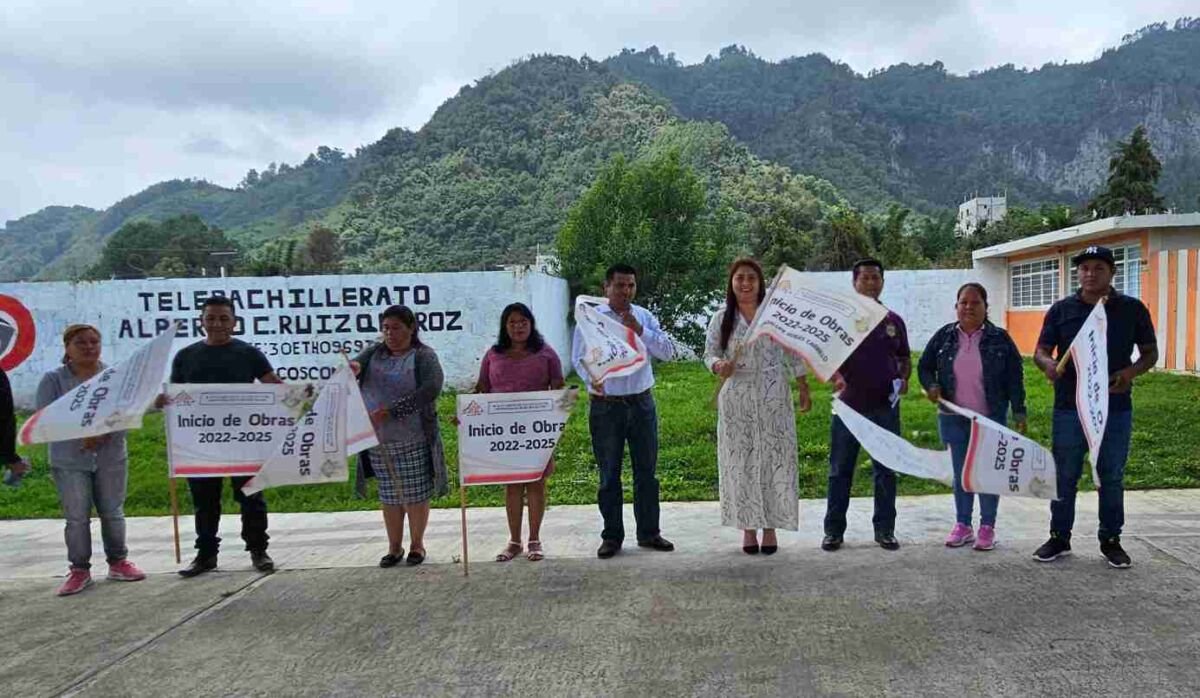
[507, 438]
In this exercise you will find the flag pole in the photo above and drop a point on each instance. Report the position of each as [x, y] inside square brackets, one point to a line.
[462, 503]
[174, 515]
[171, 487]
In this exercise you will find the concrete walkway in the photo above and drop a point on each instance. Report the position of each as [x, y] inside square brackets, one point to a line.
[704, 620]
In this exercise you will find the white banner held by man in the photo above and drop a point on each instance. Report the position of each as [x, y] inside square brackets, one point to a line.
[1089, 353]
[820, 323]
[894, 451]
[1004, 462]
[219, 429]
[315, 450]
[506, 438]
[113, 400]
[613, 350]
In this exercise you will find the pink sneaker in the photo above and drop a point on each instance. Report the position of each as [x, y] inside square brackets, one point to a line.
[959, 536]
[125, 571]
[77, 581]
[987, 538]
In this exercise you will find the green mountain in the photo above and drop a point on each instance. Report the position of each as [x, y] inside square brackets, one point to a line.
[919, 135]
[492, 174]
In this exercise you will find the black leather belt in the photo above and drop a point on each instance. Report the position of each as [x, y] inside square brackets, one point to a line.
[627, 399]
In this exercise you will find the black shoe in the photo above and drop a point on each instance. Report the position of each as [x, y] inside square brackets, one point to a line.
[391, 560]
[414, 558]
[887, 541]
[770, 549]
[199, 566]
[1115, 554]
[831, 543]
[262, 561]
[751, 549]
[1058, 546]
[608, 548]
[658, 543]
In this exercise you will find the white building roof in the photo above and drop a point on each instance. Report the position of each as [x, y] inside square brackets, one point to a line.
[1087, 231]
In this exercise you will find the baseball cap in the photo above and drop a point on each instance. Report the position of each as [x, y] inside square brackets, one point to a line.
[1094, 252]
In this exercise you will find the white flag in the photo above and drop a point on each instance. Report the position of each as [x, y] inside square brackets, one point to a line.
[821, 323]
[1002, 461]
[113, 400]
[1089, 353]
[314, 450]
[612, 350]
[219, 429]
[893, 450]
[360, 432]
[506, 438]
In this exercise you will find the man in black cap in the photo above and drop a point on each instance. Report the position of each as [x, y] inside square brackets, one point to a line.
[1129, 325]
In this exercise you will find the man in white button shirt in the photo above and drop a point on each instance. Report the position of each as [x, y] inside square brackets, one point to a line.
[622, 409]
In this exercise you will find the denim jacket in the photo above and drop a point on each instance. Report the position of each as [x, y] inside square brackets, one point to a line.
[1003, 371]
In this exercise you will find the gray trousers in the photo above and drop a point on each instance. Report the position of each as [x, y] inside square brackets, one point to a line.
[78, 491]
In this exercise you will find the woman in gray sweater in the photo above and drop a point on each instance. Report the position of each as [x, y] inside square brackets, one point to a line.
[401, 379]
[88, 472]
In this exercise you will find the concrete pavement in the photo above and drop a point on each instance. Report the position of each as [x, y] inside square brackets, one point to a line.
[704, 620]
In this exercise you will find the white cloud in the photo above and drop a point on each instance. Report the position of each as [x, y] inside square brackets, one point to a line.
[104, 98]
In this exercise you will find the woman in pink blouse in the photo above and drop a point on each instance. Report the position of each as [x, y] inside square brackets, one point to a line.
[521, 361]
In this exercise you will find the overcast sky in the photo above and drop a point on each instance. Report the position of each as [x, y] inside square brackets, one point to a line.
[99, 99]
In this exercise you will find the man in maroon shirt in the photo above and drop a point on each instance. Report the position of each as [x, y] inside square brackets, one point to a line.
[870, 382]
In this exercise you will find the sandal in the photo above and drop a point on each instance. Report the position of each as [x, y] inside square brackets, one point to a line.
[535, 551]
[391, 560]
[510, 551]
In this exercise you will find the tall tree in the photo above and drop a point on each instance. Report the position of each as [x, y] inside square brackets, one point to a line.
[179, 246]
[1133, 175]
[653, 215]
[323, 251]
[843, 241]
[895, 247]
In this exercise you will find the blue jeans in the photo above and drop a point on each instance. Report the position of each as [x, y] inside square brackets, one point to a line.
[843, 455]
[956, 433]
[78, 491]
[612, 422]
[1069, 446]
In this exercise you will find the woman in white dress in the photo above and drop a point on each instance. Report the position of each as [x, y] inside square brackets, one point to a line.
[756, 419]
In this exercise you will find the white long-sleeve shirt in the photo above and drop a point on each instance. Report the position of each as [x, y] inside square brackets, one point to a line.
[657, 343]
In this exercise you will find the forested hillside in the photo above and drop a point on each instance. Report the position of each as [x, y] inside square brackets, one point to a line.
[780, 146]
[921, 136]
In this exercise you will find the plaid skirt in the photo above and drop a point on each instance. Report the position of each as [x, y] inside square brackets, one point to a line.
[404, 472]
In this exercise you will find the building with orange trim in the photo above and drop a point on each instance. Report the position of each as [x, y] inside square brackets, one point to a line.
[1157, 259]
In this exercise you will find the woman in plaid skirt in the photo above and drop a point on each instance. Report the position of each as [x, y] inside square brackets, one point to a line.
[401, 379]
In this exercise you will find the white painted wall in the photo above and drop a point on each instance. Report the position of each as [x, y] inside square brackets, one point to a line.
[299, 322]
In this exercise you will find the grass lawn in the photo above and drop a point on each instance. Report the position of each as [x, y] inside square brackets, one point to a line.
[1165, 451]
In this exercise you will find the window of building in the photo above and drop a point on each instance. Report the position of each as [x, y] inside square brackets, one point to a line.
[1128, 279]
[1033, 284]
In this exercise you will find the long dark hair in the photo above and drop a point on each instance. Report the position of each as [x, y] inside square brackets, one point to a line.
[404, 314]
[503, 342]
[731, 305]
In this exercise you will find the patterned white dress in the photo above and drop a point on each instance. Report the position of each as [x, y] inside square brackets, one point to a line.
[756, 431]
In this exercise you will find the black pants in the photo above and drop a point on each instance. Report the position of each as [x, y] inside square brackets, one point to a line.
[613, 422]
[206, 503]
[843, 457]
